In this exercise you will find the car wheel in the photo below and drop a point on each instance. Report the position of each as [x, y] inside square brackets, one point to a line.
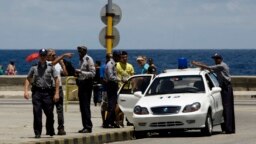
[207, 130]
[140, 134]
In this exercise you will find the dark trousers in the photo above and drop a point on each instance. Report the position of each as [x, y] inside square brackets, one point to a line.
[112, 88]
[42, 100]
[59, 109]
[228, 108]
[85, 94]
[97, 94]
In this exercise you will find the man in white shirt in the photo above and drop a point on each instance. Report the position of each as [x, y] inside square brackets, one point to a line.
[60, 67]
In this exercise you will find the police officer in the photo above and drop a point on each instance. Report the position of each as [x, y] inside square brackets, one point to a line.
[41, 78]
[223, 76]
[85, 77]
[112, 80]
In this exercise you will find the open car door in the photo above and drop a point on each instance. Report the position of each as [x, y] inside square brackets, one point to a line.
[126, 99]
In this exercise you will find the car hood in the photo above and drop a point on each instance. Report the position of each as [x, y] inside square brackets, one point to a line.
[171, 99]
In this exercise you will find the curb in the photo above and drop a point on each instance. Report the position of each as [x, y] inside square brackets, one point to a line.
[97, 138]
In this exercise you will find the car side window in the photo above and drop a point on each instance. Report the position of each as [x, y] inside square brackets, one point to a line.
[136, 84]
[209, 81]
[214, 79]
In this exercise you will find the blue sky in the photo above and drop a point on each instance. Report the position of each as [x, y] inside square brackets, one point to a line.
[145, 24]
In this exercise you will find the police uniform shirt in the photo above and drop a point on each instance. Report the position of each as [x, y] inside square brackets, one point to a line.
[222, 71]
[87, 68]
[110, 71]
[42, 75]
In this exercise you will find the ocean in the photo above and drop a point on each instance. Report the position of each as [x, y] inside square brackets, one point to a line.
[240, 61]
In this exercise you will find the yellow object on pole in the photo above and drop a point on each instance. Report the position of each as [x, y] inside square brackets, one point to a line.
[109, 33]
[109, 36]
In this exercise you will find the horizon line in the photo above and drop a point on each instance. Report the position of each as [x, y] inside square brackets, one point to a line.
[137, 49]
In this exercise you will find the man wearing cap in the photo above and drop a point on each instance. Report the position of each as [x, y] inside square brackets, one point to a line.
[112, 80]
[85, 77]
[222, 71]
[41, 78]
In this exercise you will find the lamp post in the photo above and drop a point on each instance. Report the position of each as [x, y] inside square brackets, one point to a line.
[109, 35]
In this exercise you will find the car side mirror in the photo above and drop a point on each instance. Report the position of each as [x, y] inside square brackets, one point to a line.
[216, 90]
[138, 94]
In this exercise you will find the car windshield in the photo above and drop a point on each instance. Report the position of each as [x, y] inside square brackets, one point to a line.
[176, 84]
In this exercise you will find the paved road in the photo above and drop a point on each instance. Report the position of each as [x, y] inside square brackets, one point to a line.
[245, 125]
[16, 123]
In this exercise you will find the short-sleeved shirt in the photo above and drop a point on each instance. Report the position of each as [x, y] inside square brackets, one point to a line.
[144, 68]
[59, 70]
[87, 68]
[222, 71]
[102, 70]
[110, 71]
[124, 71]
[42, 75]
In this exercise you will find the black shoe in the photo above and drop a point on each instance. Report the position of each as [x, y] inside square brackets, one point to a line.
[61, 132]
[115, 126]
[38, 136]
[50, 133]
[84, 130]
[107, 126]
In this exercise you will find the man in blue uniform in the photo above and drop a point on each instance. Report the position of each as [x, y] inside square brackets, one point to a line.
[223, 76]
[112, 80]
[41, 77]
[85, 77]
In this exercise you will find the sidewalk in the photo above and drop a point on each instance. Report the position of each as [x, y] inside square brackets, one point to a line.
[16, 124]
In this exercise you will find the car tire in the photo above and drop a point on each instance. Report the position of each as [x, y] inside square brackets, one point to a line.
[140, 134]
[207, 130]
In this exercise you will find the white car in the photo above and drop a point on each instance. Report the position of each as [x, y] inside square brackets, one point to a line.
[179, 99]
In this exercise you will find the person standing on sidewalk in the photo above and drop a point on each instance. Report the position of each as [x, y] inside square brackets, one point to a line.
[41, 78]
[124, 71]
[97, 85]
[60, 67]
[84, 81]
[112, 80]
[223, 76]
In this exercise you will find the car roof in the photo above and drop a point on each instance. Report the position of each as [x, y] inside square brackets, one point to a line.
[187, 71]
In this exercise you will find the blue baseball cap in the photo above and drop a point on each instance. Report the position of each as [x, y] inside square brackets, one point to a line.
[217, 56]
[43, 52]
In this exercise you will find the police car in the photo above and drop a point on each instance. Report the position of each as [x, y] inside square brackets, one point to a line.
[178, 99]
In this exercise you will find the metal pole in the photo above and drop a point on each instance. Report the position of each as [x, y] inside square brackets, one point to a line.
[109, 36]
[109, 8]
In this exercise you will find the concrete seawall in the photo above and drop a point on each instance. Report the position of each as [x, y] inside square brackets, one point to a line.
[15, 83]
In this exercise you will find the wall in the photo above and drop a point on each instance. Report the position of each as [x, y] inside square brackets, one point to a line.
[15, 83]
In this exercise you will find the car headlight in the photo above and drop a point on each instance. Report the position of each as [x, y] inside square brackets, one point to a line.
[140, 110]
[191, 108]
